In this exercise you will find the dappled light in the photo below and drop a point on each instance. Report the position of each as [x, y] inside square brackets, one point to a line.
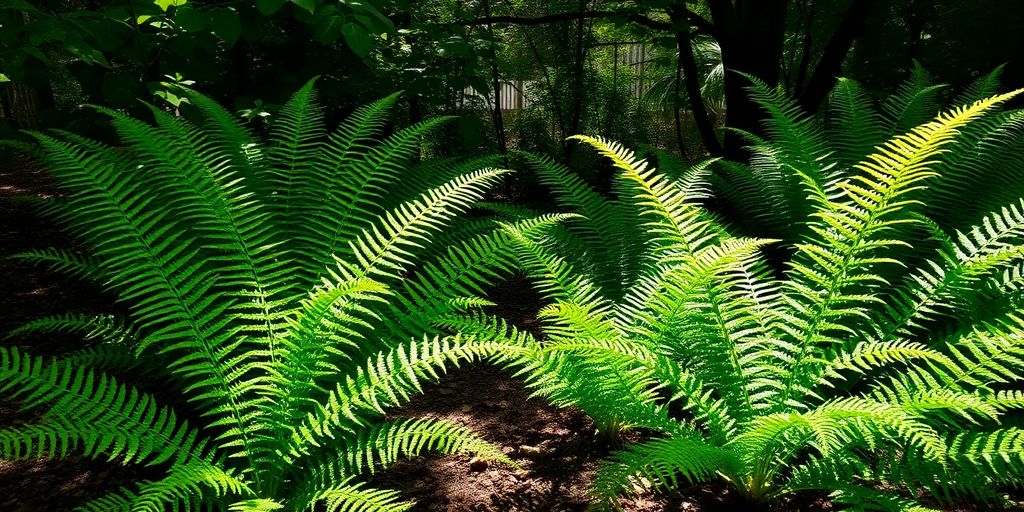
[511, 256]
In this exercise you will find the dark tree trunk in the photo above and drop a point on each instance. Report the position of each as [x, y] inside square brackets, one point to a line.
[499, 121]
[677, 103]
[579, 66]
[555, 105]
[805, 55]
[5, 104]
[26, 103]
[831, 63]
[751, 37]
[691, 79]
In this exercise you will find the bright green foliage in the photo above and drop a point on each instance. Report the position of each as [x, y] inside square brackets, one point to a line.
[768, 194]
[822, 377]
[286, 293]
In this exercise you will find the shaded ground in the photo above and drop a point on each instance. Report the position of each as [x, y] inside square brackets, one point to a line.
[27, 293]
[556, 448]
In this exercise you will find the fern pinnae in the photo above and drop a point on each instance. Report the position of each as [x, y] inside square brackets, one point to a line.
[296, 138]
[387, 380]
[201, 252]
[232, 139]
[226, 213]
[914, 103]
[897, 169]
[343, 216]
[855, 123]
[874, 369]
[984, 86]
[796, 139]
[172, 294]
[354, 497]
[943, 287]
[674, 220]
[313, 194]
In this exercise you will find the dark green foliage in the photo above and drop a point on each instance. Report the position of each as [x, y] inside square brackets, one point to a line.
[767, 196]
[885, 392]
[289, 292]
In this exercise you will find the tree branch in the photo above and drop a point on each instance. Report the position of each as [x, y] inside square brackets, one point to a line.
[572, 16]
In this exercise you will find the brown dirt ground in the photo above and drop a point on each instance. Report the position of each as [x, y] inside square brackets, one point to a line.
[556, 448]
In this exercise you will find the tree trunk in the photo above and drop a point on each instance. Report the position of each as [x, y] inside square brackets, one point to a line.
[25, 104]
[691, 79]
[805, 56]
[751, 37]
[555, 105]
[576, 116]
[499, 122]
[677, 103]
[831, 62]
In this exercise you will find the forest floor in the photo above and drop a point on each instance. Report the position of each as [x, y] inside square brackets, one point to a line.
[556, 448]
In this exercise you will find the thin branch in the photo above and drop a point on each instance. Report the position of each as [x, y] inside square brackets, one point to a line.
[571, 16]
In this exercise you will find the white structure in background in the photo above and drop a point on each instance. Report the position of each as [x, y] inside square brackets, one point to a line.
[516, 95]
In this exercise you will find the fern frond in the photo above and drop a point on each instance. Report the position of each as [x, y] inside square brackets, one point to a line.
[381, 445]
[673, 221]
[915, 101]
[856, 126]
[386, 380]
[94, 411]
[849, 235]
[663, 463]
[986, 85]
[69, 262]
[353, 497]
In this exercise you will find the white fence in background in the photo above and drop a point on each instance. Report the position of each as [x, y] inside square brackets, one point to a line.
[516, 95]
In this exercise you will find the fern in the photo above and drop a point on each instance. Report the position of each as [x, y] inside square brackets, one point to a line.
[767, 195]
[275, 286]
[854, 373]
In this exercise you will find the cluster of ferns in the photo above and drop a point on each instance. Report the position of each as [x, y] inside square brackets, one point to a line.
[841, 314]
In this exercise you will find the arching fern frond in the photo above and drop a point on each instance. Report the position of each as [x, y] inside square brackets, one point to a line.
[273, 286]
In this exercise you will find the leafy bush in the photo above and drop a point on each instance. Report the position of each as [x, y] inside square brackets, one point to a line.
[889, 393]
[282, 293]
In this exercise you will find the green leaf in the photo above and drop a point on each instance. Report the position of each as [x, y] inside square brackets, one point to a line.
[358, 39]
[46, 31]
[226, 25]
[309, 5]
[3, 78]
[190, 19]
[268, 7]
[328, 28]
[164, 4]
[19, 5]
[87, 53]
[381, 24]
